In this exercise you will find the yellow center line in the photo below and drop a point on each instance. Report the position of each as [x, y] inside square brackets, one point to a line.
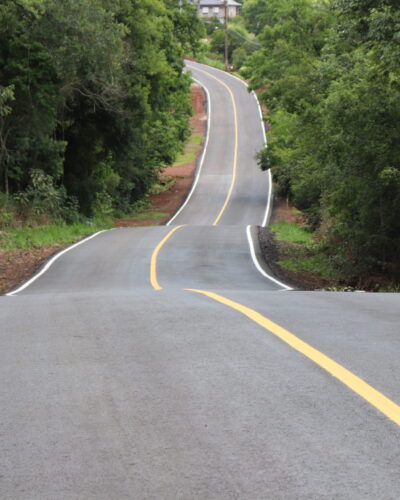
[353, 382]
[153, 263]
[235, 152]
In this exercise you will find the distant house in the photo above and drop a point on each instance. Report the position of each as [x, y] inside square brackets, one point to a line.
[216, 8]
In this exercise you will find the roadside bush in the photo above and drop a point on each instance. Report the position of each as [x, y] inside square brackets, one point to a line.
[102, 205]
[41, 202]
[238, 57]
[211, 25]
[7, 211]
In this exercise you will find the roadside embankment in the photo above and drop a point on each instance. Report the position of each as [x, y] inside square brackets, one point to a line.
[301, 259]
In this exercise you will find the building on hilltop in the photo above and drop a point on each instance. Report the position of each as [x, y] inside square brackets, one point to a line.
[216, 8]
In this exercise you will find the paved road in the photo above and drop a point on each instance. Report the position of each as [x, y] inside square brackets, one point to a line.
[111, 389]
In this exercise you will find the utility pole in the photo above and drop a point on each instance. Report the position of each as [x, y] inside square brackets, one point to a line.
[226, 35]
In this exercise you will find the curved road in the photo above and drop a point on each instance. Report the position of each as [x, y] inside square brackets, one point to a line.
[159, 362]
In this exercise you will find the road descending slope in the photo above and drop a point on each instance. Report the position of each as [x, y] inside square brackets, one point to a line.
[160, 362]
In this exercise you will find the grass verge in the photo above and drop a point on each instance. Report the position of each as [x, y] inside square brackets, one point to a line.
[146, 214]
[299, 252]
[212, 62]
[195, 140]
[52, 235]
[185, 158]
[306, 263]
[292, 233]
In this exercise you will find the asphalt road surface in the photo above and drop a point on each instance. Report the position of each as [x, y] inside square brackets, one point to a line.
[161, 363]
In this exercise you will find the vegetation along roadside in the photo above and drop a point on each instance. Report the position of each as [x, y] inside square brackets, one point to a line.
[94, 104]
[327, 76]
[87, 127]
[300, 258]
[327, 72]
[23, 249]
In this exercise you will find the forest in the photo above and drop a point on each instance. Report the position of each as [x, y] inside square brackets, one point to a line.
[93, 102]
[328, 73]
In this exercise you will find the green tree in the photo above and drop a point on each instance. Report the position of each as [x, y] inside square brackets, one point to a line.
[93, 94]
[329, 75]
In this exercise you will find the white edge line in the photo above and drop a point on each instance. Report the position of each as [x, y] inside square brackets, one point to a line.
[267, 211]
[261, 116]
[257, 264]
[221, 71]
[50, 262]
[268, 208]
[202, 155]
[236, 77]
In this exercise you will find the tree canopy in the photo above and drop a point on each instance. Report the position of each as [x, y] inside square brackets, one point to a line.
[330, 78]
[93, 95]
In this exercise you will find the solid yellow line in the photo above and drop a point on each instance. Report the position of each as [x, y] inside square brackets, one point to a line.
[153, 263]
[356, 384]
[228, 197]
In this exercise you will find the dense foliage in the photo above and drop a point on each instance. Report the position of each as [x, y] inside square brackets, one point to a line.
[93, 99]
[241, 43]
[330, 77]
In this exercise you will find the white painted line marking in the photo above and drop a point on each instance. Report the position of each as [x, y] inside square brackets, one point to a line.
[50, 262]
[217, 70]
[261, 117]
[269, 199]
[202, 156]
[267, 211]
[237, 78]
[257, 264]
